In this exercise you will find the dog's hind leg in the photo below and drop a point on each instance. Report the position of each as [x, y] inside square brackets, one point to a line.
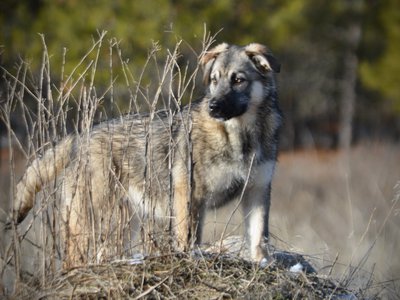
[74, 226]
[85, 194]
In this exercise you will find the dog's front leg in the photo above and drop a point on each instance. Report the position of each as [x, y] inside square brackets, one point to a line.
[189, 216]
[256, 212]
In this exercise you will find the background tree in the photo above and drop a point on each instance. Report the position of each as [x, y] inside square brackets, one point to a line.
[340, 59]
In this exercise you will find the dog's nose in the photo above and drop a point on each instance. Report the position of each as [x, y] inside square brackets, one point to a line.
[214, 105]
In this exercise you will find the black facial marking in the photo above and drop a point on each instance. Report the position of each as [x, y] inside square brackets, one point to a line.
[228, 106]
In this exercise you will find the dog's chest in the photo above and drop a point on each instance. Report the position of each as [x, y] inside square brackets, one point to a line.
[226, 182]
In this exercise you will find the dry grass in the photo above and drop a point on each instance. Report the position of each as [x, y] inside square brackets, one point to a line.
[178, 276]
[340, 210]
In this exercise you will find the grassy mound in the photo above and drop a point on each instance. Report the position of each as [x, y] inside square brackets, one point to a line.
[180, 276]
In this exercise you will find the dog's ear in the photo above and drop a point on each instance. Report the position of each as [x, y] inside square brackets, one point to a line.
[207, 60]
[262, 58]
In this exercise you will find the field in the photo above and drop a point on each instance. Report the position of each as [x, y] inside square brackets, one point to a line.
[333, 206]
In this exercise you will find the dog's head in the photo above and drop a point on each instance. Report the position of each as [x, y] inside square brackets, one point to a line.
[237, 78]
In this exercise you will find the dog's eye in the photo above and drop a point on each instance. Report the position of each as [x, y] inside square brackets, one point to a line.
[238, 80]
[213, 80]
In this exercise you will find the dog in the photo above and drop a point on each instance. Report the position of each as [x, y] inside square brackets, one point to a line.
[218, 148]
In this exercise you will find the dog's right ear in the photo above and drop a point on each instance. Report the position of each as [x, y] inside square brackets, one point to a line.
[207, 60]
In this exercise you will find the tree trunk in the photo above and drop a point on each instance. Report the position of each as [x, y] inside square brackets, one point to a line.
[348, 85]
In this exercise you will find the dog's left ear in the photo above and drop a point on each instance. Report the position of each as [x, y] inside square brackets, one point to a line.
[262, 58]
[207, 60]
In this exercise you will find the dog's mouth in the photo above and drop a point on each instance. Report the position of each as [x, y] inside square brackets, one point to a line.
[223, 110]
[219, 117]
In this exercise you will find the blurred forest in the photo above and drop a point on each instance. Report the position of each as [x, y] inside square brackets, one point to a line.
[340, 59]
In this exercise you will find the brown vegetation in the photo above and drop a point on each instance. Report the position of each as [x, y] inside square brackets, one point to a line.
[181, 277]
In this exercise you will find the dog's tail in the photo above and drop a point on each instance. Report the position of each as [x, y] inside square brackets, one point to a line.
[40, 172]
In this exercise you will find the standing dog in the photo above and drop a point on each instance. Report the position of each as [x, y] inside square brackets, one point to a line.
[221, 147]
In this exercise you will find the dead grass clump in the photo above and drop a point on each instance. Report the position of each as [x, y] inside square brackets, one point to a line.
[180, 276]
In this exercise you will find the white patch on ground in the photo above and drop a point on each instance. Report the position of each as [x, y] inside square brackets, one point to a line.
[136, 259]
[297, 268]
